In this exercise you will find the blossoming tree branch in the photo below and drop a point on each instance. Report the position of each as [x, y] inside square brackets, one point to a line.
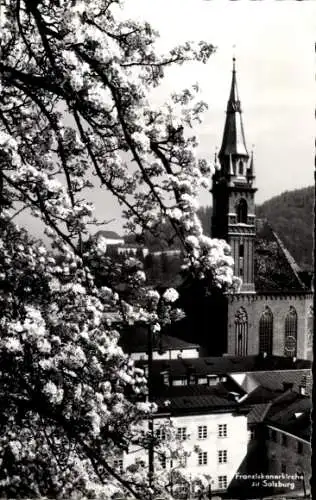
[75, 112]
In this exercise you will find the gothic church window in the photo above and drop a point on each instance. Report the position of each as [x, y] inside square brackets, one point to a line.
[290, 337]
[266, 331]
[241, 332]
[242, 211]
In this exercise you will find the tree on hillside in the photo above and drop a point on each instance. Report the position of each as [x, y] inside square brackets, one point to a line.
[73, 104]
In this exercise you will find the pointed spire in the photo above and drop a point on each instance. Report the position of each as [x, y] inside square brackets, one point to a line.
[216, 165]
[251, 168]
[234, 142]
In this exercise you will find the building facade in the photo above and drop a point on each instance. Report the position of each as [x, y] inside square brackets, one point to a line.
[214, 442]
[257, 319]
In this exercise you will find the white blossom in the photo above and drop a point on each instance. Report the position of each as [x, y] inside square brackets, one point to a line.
[171, 295]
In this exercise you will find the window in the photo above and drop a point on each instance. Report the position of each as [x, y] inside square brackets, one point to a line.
[180, 381]
[299, 447]
[212, 379]
[202, 458]
[284, 440]
[273, 435]
[283, 468]
[202, 431]
[242, 212]
[182, 433]
[222, 430]
[165, 377]
[183, 461]
[290, 338]
[266, 331]
[241, 168]
[222, 482]
[163, 461]
[241, 250]
[118, 465]
[252, 434]
[222, 456]
[160, 434]
[241, 332]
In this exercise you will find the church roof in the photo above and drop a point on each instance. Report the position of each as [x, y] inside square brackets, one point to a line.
[275, 268]
[234, 142]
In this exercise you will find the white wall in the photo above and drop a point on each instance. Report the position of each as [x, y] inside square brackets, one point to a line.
[235, 443]
[112, 241]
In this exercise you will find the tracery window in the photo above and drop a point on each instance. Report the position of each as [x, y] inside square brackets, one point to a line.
[242, 211]
[266, 331]
[241, 332]
[290, 334]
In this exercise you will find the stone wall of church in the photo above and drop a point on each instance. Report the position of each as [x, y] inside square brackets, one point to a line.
[245, 311]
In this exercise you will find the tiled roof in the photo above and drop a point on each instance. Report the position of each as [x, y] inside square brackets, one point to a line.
[275, 268]
[258, 413]
[186, 403]
[261, 395]
[284, 408]
[292, 414]
[229, 364]
[135, 339]
[275, 379]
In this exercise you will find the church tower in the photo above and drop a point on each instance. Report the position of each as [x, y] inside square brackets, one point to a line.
[234, 193]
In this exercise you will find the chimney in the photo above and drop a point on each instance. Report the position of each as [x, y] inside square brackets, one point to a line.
[165, 377]
[302, 390]
[287, 386]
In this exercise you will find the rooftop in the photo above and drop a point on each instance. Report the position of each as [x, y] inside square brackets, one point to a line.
[195, 399]
[275, 268]
[230, 364]
[135, 339]
[258, 412]
[292, 413]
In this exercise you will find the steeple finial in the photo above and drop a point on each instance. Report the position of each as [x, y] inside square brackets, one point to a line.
[234, 64]
[251, 168]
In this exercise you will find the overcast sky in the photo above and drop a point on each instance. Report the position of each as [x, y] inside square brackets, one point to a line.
[276, 80]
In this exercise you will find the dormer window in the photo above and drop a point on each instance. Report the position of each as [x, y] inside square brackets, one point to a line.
[165, 377]
[179, 381]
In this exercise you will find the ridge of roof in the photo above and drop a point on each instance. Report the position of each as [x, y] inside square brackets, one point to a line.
[290, 259]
